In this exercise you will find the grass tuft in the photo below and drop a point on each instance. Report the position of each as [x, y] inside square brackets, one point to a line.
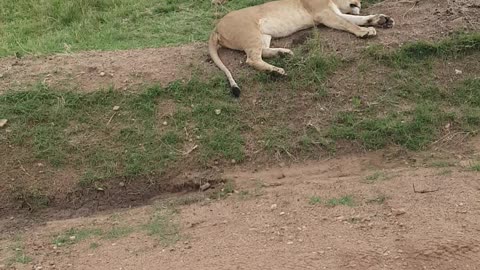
[345, 200]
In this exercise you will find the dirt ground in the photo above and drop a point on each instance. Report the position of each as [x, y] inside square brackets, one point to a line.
[405, 213]
[410, 217]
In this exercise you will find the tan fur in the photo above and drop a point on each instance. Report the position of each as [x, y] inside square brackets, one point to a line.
[251, 29]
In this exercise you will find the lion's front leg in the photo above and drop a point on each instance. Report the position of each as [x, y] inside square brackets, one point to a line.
[379, 20]
[335, 21]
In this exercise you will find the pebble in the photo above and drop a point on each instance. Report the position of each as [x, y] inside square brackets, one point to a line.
[218, 111]
[458, 72]
[273, 207]
[3, 122]
[205, 186]
[282, 213]
[399, 211]
[289, 243]
[102, 74]
[116, 108]
[72, 237]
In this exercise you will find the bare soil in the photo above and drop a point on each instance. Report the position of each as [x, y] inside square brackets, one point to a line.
[414, 216]
[409, 218]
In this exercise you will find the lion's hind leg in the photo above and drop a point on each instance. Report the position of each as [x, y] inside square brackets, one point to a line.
[254, 59]
[268, 52]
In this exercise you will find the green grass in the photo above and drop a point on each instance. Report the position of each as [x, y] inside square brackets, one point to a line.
[375, 177]
[65, 128]
[42, 27]
[17, 253]
[475, 167]
[455, 46]
[227, 189]
[314, 200]
[74, 236]
[441, 164]
[414, 129]
[163, 226]
[118, 232]
[346, 200]
[32, 197]
[414, 107]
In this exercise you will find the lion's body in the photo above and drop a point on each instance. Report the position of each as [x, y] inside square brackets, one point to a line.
[251, 29]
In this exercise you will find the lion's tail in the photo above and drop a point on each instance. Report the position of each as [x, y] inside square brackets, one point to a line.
[213, 50]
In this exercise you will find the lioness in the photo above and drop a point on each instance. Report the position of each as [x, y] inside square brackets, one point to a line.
[251, 29]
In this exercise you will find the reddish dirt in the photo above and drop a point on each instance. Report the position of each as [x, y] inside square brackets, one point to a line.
[410, 229]
[270, 224]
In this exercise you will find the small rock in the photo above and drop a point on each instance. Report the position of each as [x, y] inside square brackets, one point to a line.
[399, 211]
[3, 122]
[234, 161]
[1, 75]
[165, 123]
[116, 108]
[122, 184]
[72, 237]
[102, 74]
[340, 218]
[273, 207]
[289, 243]
[218, 111]
[205, 186]
[282, 213]
[458, 72]
[38, 267]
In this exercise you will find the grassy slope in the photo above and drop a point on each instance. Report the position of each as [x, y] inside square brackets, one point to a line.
[82, 129]
[40, 27]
